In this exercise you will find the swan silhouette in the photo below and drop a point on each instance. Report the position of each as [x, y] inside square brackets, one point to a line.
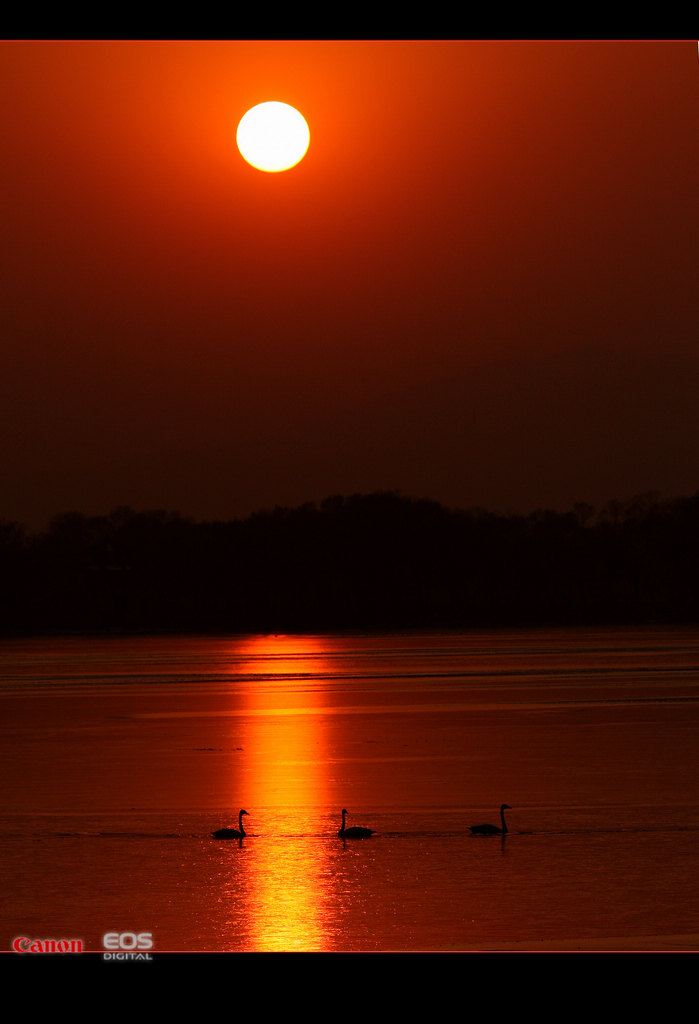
[355, 832]
[492, 830]
[231, 833]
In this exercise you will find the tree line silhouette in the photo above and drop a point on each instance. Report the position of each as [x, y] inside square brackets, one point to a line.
[378, 561]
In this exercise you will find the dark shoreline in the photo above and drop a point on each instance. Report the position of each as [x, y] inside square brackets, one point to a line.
[365, 563]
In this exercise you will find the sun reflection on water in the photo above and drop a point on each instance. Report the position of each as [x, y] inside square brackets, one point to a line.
[284, 882]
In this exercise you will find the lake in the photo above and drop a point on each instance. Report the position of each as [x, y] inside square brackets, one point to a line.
[120, 756]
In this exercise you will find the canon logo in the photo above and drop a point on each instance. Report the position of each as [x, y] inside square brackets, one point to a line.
[24, 945]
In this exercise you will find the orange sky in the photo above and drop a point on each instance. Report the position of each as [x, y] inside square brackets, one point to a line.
[479, 285]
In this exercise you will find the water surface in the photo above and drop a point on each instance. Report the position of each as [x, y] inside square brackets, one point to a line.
[119, 756]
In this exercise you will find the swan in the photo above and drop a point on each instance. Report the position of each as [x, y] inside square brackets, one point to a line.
[231, 833]
[355, 832]
[492, 830]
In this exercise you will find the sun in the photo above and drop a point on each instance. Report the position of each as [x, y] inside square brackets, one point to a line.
[273, 136]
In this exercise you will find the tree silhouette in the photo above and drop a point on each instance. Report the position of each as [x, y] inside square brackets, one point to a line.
[370, 562]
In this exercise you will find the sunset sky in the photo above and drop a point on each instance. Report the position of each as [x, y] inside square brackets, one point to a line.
[478, 286]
